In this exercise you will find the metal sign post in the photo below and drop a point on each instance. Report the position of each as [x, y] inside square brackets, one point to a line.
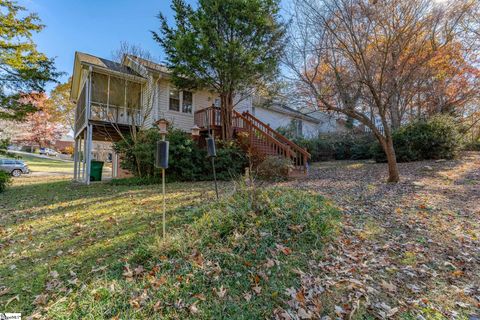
[161, 161]
[212, 153]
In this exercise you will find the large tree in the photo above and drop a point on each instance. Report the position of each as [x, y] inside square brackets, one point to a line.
[40, 127]
[229, 46]
[22, 68]
[59, 106]
[369, 59]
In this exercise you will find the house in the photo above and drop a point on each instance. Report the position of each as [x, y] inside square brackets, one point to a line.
[113, 99]
[64, 144]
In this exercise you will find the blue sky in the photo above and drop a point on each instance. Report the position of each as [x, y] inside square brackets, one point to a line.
[96, 27]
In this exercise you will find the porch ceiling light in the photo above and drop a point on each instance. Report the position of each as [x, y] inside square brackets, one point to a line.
[195, 131]
[162, 125]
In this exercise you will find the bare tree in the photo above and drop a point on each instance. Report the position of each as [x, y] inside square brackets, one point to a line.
[365, 58]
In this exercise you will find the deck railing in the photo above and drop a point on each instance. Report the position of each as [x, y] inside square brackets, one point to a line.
[299, 156]
[208, 118]
[260, 136]
[268, 141]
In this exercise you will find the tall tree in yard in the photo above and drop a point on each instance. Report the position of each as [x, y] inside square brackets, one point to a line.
[367, 59]
[229, 46]
[22, 68]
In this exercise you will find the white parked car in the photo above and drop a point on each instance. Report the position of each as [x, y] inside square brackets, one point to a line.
[48, 152]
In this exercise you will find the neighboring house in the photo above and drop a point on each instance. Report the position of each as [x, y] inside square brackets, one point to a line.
[114, 98]
[307, 124]
[64, 144]
[277, 115]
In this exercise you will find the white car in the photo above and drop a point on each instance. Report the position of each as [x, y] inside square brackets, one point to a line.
[48, 152]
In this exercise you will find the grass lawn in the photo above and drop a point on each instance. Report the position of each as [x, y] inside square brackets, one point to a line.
[96, 252]
[37, 164]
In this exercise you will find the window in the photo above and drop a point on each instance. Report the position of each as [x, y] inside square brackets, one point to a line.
[187, 101]
[297, 125]
[174, 103]
[181, 98]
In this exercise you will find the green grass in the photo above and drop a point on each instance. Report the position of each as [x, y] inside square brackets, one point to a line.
[37, 164]
[65, 250]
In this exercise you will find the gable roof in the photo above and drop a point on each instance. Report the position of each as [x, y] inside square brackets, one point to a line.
[152, 66]
[260, 102]
[88, 59]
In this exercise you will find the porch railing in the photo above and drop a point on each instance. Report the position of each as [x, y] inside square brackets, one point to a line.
[115, 114]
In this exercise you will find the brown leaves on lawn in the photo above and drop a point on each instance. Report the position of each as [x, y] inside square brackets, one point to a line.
[408, 247]
[283, 249]
[220, 292]
[4, 290]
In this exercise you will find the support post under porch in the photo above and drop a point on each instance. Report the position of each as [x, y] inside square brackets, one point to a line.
[75, 160]
[88, 152]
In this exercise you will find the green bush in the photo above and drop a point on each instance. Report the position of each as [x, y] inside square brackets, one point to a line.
[4, 143]
[435, 138]
[187, 161]
[338, 146]
[274, 168]
[230, 161]
[5, 180]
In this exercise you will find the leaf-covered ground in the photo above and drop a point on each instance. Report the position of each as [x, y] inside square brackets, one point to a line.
[408, 250]
[78, 252]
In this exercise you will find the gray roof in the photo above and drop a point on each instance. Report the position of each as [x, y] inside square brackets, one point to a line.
[282, 108]
[148, 64]
[89, 59]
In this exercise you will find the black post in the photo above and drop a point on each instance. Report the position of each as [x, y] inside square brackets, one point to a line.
[215, 176]
[212, 153]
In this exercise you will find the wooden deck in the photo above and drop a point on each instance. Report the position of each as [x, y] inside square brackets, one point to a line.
[253, 133]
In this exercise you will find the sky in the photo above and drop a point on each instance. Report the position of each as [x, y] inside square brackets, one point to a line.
[95, 27]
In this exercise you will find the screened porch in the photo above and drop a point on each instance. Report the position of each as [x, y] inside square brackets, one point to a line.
[112, 100]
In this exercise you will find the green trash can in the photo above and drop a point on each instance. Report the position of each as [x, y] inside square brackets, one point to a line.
[96, 168]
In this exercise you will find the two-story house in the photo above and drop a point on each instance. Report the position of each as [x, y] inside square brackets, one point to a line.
[112, 99]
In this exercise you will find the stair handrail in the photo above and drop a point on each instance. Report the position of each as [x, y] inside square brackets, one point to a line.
[269, 137]
[278, 136]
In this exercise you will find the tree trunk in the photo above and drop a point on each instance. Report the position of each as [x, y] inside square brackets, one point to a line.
[226, 112]
[393, 174]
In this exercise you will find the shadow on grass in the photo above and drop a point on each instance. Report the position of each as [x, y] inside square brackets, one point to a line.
[64, 227]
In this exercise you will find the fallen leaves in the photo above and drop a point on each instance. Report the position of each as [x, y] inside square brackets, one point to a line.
[283, 249]
[40, 300]
[4, 290]
[220, 292]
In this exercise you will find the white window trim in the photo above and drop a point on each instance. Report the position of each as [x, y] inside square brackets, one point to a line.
[170, 89]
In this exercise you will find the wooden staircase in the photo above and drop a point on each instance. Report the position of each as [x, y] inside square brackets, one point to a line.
[258, 135]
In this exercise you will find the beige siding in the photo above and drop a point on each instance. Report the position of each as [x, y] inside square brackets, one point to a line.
[184, 121]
